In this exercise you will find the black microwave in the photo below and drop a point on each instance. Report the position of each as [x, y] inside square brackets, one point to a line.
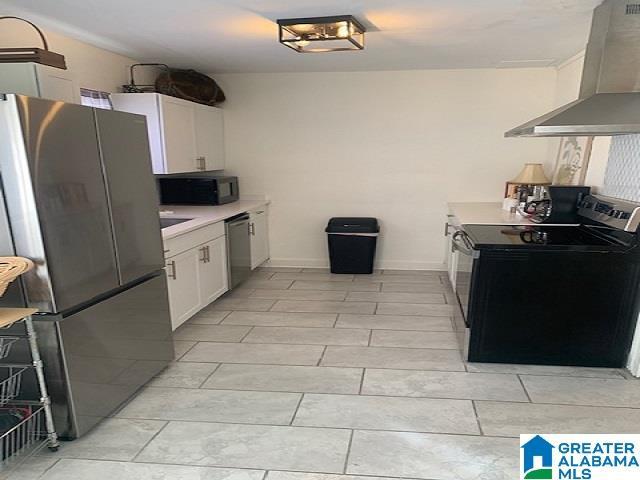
[198, 190]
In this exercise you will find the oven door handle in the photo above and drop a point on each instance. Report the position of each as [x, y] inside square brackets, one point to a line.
[462, 243]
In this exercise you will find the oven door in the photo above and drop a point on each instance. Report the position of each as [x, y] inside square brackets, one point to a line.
[465, 256]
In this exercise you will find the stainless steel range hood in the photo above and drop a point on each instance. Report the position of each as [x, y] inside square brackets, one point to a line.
[609, 102]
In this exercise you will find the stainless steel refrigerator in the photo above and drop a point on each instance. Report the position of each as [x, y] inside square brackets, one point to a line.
[79, 199]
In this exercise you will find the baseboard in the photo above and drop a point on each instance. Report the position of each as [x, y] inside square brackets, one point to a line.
[322, 263]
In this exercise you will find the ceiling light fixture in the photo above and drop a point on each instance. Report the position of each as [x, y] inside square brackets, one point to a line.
[322, 34]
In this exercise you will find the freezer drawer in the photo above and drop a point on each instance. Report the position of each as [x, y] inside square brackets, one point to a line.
[99, 357]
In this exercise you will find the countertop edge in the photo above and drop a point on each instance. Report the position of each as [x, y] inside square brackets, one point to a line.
[204, 215]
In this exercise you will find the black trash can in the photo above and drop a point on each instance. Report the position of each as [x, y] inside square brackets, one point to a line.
[352, 244]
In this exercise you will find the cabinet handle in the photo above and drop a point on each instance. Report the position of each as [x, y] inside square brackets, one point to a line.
[207, 254]
[200, 163]
[172, 273]
[446, 229]
[203, 250]
[252, 229]
[260, 212]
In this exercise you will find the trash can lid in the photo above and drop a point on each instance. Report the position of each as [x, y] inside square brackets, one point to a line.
[353, 225]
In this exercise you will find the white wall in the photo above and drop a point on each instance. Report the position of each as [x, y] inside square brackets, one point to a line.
[94, 67]
[394, 145]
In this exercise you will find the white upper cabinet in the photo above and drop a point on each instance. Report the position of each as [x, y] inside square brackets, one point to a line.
[184, 136]
[179, 124]
[210, 136]
[35, 80]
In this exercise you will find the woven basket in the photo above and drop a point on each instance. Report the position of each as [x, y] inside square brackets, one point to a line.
[10, 269]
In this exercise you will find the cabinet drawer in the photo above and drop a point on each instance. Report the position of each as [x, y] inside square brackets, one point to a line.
[174, 246]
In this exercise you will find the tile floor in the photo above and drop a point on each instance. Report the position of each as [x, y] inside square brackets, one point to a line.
[304, 375]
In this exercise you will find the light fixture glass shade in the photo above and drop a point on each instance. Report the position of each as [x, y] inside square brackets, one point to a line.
[532, 174]
[322, 34]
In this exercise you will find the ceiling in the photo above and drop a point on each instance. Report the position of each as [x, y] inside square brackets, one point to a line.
[224, 36]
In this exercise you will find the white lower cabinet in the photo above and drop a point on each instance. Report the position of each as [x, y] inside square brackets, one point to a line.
[214, 261]
[183, 277]
[259, 228]
[196, 271]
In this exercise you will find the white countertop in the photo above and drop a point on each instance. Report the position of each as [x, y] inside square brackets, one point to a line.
[203, 215]
[485, 213]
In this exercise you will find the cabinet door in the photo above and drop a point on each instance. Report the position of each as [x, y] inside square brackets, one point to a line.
[183, 273]
[56, 84]
[213, 270]
[259, 238]
[210, 136]
[36, 80]
[178, 128]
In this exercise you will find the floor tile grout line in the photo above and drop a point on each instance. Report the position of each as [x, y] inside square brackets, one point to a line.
[153, 437]
[475, 414]
[324, 350]
[246, 334]
[347, 453]
[187, 351]
[335, 322]
[370, 337]
[295, 411]
[362, 381]
[210, 375]
[526, 392]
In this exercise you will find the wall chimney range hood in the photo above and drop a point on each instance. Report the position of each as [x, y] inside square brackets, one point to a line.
[609, 102]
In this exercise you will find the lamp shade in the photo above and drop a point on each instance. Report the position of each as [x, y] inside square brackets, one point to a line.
[532, 174]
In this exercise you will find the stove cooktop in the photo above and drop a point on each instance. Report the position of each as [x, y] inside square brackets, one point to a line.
[555, 237]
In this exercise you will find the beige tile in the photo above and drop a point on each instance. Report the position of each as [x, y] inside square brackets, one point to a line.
[546, 370]
[426, 273]
[202, 405]
[281, 319]
[413, 287]
[247, 304]
[208, 317]
[279, 378]
[261, 275]
[323, 307]
[184, 374]
[269, 284]
[318, 277]
[211, 333]
[238, 292]
[250, 446]
[395, 297]
[68, 469]
[414, 309]
[391, 338]
[275, 475]
[112, 439]
[399, 358]
[387, 413]
[472, 386]
[273, 354]
[511, 419]
[335, 286]
[35, 467]
[382, 278]
[433, 456]
[326, 295]
[582, 391]
[280, 269]
[395, 322]
[308, 336]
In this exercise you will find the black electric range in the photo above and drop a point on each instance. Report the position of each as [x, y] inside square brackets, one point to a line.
[556, 295]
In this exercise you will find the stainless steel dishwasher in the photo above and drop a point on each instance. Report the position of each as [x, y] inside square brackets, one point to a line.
[238, 249]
